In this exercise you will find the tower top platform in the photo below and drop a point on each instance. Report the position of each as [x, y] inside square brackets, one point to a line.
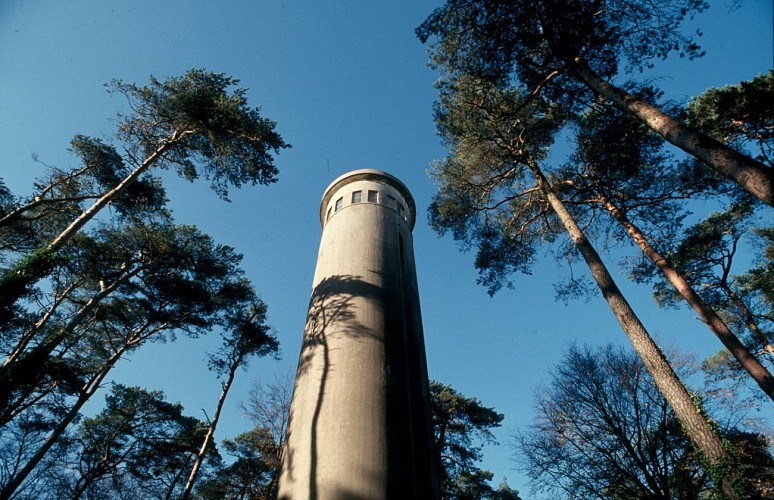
[374, 175]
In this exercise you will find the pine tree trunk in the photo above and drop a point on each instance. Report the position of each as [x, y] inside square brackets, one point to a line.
[752, 175]
[21, 278]
[210, 432]
[686, 408]
[88, 214]
[731, 342]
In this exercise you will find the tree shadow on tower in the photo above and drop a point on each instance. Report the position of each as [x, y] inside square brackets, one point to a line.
[332, 311]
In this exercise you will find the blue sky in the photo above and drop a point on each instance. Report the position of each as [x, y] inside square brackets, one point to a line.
[347, 83]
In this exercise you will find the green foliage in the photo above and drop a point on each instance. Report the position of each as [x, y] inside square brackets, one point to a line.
[252, 474]
[31, 267]
[162, 280]
[129, 277]
[218, 135]
[529, 40]
[618, 162]
[194, 123]
[134, 447]
[105, 168]
[245, 335]
[758, 281]
[461, 427]
[620, 158]
[486, 196]
[741, 115]
[18, 280]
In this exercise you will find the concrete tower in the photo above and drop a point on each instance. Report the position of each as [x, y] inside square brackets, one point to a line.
[360, 418]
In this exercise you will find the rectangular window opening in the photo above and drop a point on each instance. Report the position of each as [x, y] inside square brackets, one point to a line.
[356, 196]
[339, 204]
[373, 196]
[390, 201]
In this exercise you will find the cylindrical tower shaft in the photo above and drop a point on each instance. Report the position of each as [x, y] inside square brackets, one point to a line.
[360, 417]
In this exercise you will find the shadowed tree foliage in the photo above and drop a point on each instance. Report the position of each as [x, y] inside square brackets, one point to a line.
[740, 115]
[462, 426]
[131, 285]
[138, 446]
[195, 124]
[28, 224]
[603, 430]
[131, 276]
[567, 51]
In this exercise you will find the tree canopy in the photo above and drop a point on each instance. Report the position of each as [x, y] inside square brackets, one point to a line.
[566, 53]
[194, 124]
[461, 426]
[119, 278]
[500, 193]
[603, 430]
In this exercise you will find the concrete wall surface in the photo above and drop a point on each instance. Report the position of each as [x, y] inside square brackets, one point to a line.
[359, 422]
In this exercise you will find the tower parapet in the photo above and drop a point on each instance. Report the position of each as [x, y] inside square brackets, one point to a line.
[374, 186]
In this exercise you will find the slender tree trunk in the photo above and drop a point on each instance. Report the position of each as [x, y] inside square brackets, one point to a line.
[210, 432]
[731, 342]
[88, 214]
[752, 175]
[11, 289]
[686, 408]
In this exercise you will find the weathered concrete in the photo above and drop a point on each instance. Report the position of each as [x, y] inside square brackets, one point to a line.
[360, 420]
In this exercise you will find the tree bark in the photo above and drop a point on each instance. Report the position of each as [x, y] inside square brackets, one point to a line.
[88, 214]
[210, 432]
[731, 342]
[10, 294]
[753, 176]
[686, 408]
